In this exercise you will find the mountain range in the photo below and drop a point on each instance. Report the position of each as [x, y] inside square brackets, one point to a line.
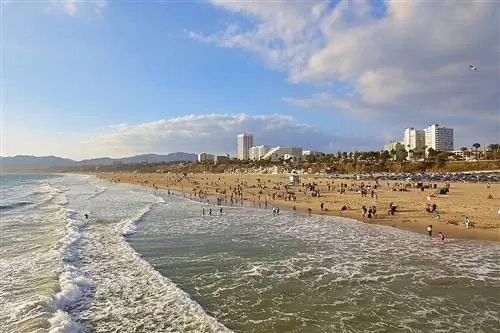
[29, 161]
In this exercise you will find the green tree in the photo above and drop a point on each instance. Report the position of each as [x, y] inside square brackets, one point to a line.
[495, 149]
[476, 146]
[432, 153]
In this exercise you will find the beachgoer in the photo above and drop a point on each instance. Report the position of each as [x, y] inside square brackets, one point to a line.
[441, 236]
[220, 211]
[203, 211]
[322, 205]
[210, 211]
[438, 216]
[86, 215]
[429, 229]
[466, 222]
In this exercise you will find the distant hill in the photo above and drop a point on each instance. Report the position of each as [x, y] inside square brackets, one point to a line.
[28, 161]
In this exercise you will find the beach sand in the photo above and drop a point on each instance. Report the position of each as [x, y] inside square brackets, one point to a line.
[463, 199]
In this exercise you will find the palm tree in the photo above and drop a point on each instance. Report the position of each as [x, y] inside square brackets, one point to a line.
[495, 148]
[464, 151]
[476, 147]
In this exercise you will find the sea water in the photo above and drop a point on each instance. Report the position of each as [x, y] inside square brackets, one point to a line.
[147, 261]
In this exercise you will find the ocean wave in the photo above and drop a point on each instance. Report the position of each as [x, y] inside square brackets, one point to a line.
[72, 281]
[129, 225]
[187, 315]
[15, 205]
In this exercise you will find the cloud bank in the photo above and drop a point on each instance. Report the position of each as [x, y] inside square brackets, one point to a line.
[216, 133]
[404, 62]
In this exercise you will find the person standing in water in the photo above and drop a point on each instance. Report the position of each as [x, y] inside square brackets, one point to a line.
[86, 216]
[429, 229]
[441, 237]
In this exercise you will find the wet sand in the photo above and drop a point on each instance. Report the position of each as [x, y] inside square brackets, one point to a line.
[463, 199]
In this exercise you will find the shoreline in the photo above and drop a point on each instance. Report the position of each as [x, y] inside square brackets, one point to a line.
[413, 223]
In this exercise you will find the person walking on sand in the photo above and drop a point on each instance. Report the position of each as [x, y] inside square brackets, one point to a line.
[429, 229]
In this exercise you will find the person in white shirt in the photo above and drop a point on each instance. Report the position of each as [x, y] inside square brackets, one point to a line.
[466, 222]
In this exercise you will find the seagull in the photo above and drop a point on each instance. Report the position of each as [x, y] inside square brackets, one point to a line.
[473, 67]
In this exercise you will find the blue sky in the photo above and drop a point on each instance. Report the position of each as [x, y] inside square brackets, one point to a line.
[189, 76]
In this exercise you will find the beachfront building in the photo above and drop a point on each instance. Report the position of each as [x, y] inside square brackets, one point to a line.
[396, 149]
[204, 157]
[222, 158]
[414, 141]
[306, 153]
[285, 153]
[244, 142]
[257, 152]
[439, 138]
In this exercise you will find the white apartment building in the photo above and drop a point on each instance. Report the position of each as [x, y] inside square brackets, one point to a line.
[244, 142]
[283, 152]
[257, 152]
[439, 138]
[312, 152]
[414, 139]
[203, 157]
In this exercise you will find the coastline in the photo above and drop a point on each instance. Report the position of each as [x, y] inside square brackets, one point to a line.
[487, 226]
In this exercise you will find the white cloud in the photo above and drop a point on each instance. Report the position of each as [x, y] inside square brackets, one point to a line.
[409, 67]
[215, 133]
[72, 7]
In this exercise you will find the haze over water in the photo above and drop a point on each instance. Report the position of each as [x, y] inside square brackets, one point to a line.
[153, 263]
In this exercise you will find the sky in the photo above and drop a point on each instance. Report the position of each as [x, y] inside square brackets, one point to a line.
[84, 79]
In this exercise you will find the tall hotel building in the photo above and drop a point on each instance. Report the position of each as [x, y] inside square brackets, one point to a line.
[244, 142]
[439, 138]
[414, 139]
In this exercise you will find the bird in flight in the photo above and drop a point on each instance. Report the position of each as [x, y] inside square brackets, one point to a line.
[473, 67]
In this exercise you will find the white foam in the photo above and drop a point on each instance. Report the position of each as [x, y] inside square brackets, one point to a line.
[61, 322]
[73, 283]
[129, 225]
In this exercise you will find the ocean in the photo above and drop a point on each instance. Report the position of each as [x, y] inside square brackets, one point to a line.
[151, 262]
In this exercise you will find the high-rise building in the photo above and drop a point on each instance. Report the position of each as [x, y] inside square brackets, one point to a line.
[256, 152]
[414, 140]
[244, 142]
[439, 138]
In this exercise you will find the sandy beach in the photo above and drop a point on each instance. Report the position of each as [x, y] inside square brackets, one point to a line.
[478, 201]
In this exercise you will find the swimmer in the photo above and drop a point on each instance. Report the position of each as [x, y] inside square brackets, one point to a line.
[220, 211]
[86, 216]
[441, 236]
[203, 211]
